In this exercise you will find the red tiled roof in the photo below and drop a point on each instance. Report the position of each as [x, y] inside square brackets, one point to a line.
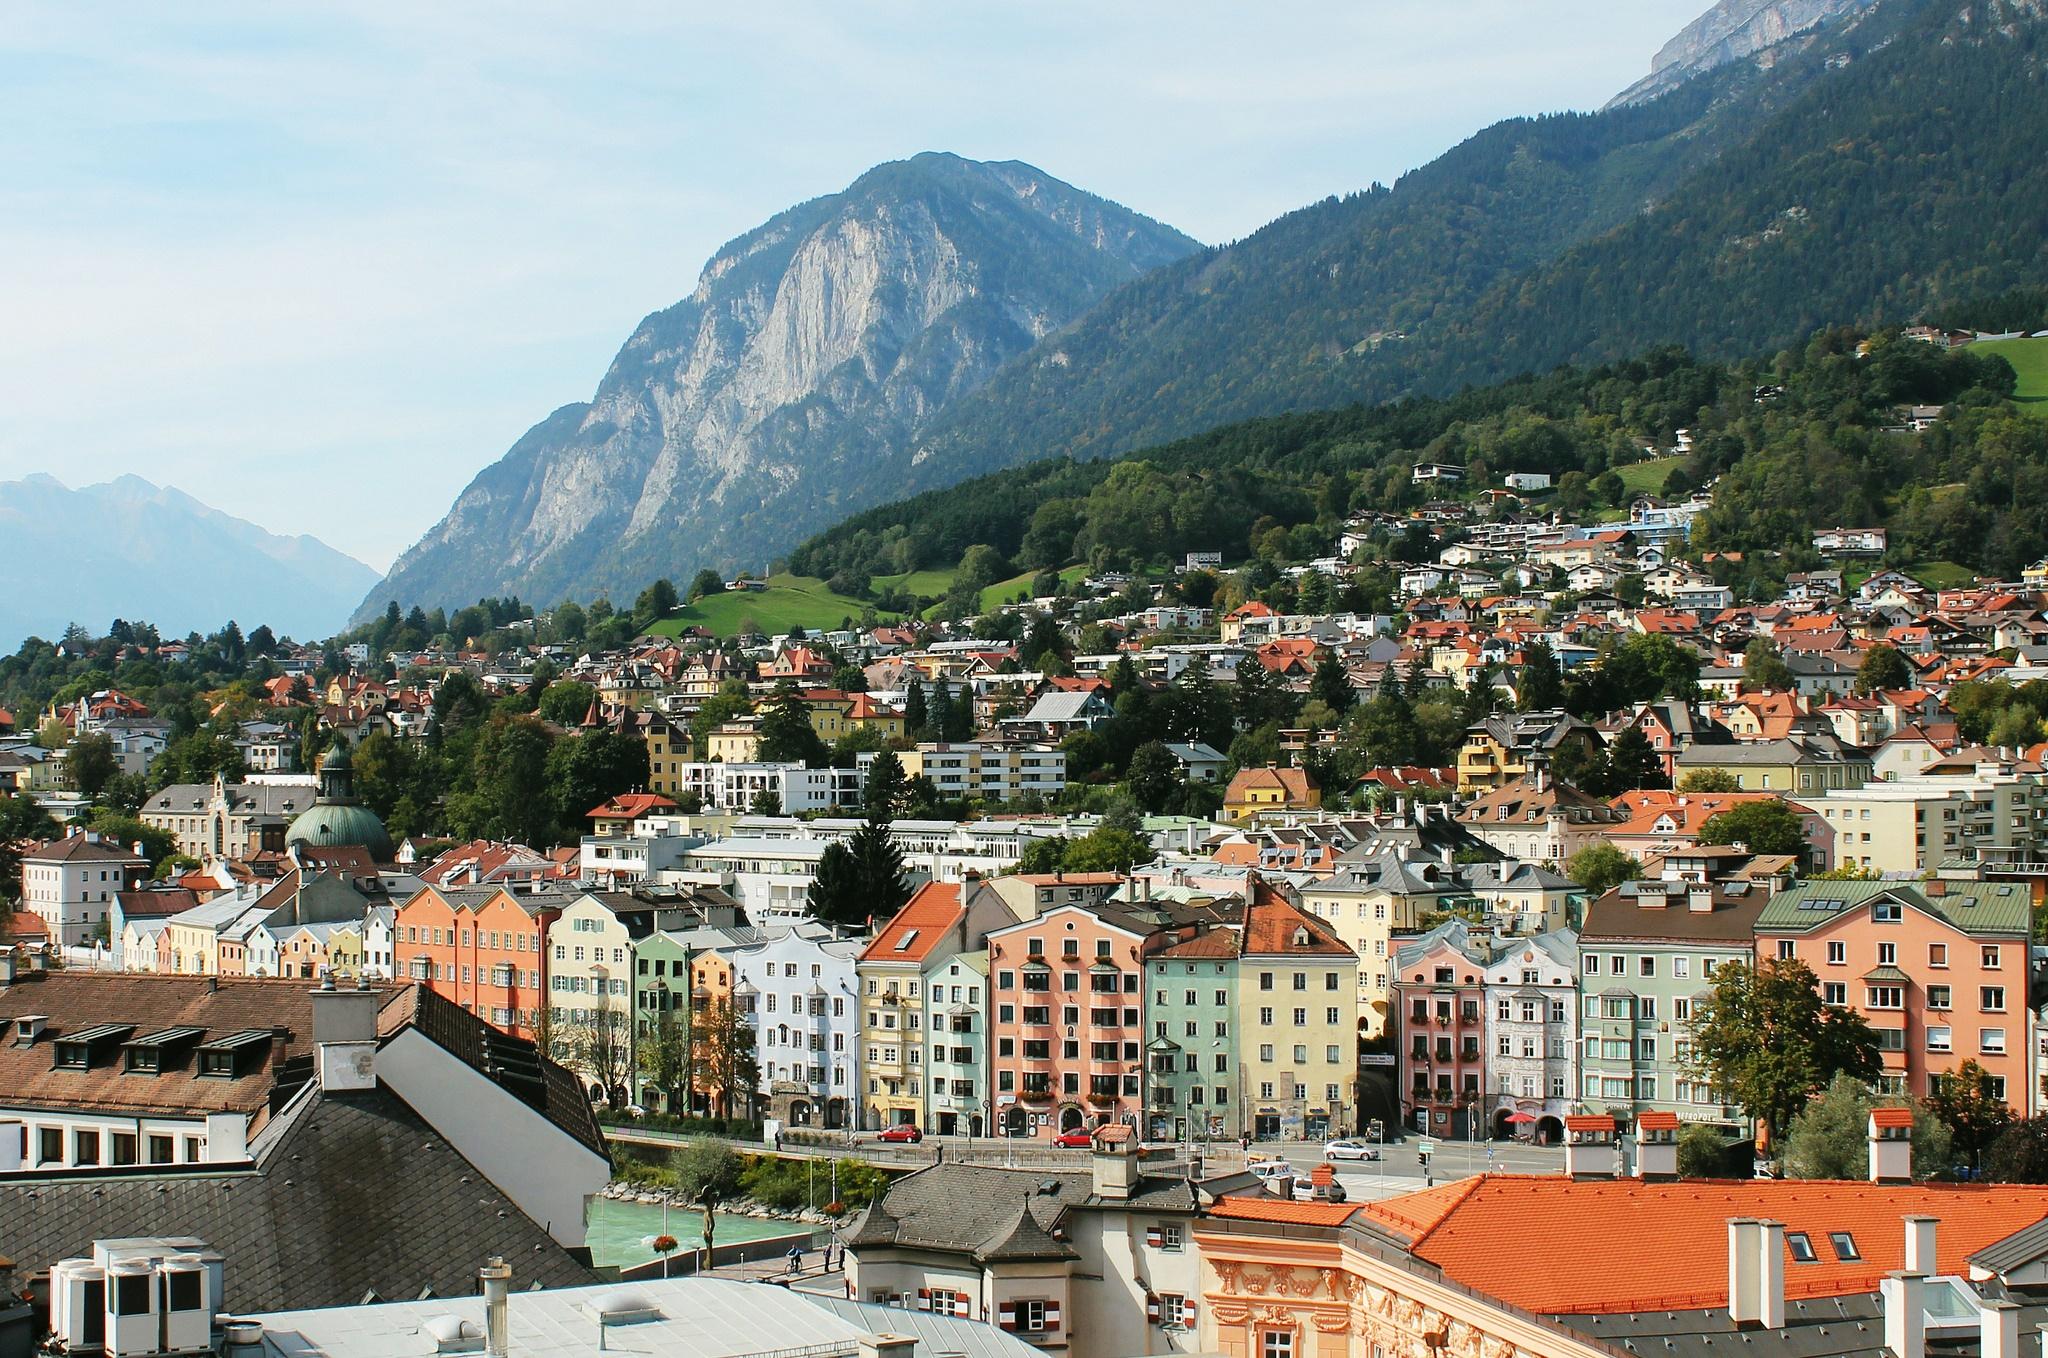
[1657, 1122]
[1477, 1231]
[1268, 1208]
[930, 911]
[632, 806]
[1589, 1122]
[1891, 1117]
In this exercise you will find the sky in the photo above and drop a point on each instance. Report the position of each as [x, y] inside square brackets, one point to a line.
[318, 265]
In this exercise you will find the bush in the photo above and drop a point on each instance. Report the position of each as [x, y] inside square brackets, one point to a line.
[1704, 1153]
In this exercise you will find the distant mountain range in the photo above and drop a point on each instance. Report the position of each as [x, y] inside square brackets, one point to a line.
[131, 549]
[757, 409]
[1791, 164]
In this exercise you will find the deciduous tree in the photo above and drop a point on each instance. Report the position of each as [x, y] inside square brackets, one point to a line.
[1764, 1037]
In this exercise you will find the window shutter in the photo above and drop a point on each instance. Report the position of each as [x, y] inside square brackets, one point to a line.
[924, 1299]
[1187, 1312]
[1155, 1236]
[1052, 1316]
[1152, 1309]
[960, 1304]
[1006, 1317]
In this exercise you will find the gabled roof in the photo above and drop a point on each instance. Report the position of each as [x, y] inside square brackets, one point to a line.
[919, 927]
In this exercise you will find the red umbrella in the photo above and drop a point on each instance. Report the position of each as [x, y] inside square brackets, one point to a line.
[1521, 1117]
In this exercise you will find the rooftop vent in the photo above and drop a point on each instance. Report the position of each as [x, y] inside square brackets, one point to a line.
[453, 1334]
[622, 1306]
[29, 1027]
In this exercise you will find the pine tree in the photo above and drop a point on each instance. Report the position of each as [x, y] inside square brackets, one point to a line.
[1331, 684]
[915, 715]
[941, 709]
[887, 791]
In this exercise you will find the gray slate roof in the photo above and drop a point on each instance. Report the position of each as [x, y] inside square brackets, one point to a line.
[350, 1194]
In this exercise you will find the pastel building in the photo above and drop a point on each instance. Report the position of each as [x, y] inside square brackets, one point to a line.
[798, 988]
[1067, 988]
[1440, 995]
[1939, 969]
[1647, 953]
[956, 1019]
[1532, 1036]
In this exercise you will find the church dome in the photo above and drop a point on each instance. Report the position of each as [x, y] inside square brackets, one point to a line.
[335, 819]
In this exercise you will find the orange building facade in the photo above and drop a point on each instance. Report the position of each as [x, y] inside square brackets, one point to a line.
[1939, 969]
[483, 948]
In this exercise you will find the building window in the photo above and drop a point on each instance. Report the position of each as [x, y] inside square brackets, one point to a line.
[1990, 957]
[1838, 952]
[1276, 1344]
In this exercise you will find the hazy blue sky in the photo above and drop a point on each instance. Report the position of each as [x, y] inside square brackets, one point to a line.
[319, 264]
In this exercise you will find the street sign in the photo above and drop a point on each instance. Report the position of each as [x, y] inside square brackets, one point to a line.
[1425, 1147]
[1375, 1059]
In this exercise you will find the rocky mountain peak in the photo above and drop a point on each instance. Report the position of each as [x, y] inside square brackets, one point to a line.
[1731, 31]
[811, 349]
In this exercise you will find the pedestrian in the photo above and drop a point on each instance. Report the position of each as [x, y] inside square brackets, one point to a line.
[796, 1259]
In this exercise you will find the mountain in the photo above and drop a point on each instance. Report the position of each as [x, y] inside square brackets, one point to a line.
[1892, 160]
[1730, 31]
[757, 408]
[131, 549]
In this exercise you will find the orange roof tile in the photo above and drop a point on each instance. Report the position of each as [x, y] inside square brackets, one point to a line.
[931, 910]
[1891, 1117]
[1477, 1232]
[1286, 1211]
[1657, 1122]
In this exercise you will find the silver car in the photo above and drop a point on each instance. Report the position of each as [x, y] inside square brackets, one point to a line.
[1347, 1149]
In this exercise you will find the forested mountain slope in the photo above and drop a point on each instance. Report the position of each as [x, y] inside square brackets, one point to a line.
[1895, 160]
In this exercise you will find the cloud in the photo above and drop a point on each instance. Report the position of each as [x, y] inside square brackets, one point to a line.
[342, 257]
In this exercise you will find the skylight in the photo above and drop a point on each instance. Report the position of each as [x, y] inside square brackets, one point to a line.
[903, 943]
[1845, 1246]
[1801, 1247]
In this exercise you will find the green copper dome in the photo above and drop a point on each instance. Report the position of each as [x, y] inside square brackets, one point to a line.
[335, 819]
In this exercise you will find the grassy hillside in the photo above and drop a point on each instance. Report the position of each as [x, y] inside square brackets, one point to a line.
[2029, 359]
[789, 601]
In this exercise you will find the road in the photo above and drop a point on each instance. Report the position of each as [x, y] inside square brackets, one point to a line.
[1400, 1170]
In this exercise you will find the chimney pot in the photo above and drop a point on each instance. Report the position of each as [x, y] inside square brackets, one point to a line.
[1920, 1239]
[496, 1277]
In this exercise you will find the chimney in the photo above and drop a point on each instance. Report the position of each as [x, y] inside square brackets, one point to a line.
[1998, 1328]
[1589, 1149]
[1657, 1146]
[345, 1037]
[887, 1345]
[1113, 1162]
[1891, 1145]
[1700, 898]
[1771, 1274]
[1905, 1314]
[227, 1139]
[1920, 1245]
[1744, 1304]
[496, 1277]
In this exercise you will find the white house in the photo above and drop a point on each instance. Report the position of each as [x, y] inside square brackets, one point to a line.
[797, 987]
[71, 883]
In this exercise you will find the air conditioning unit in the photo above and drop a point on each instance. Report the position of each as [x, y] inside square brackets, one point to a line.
[78, 1303]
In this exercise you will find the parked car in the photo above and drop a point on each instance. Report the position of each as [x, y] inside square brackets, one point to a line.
[1077, 1137]
[908, 1132]
[1344, 1148]
[1305, 1191]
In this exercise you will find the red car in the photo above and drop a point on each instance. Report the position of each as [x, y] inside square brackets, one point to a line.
[1077, 1137]
[908, 1132]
